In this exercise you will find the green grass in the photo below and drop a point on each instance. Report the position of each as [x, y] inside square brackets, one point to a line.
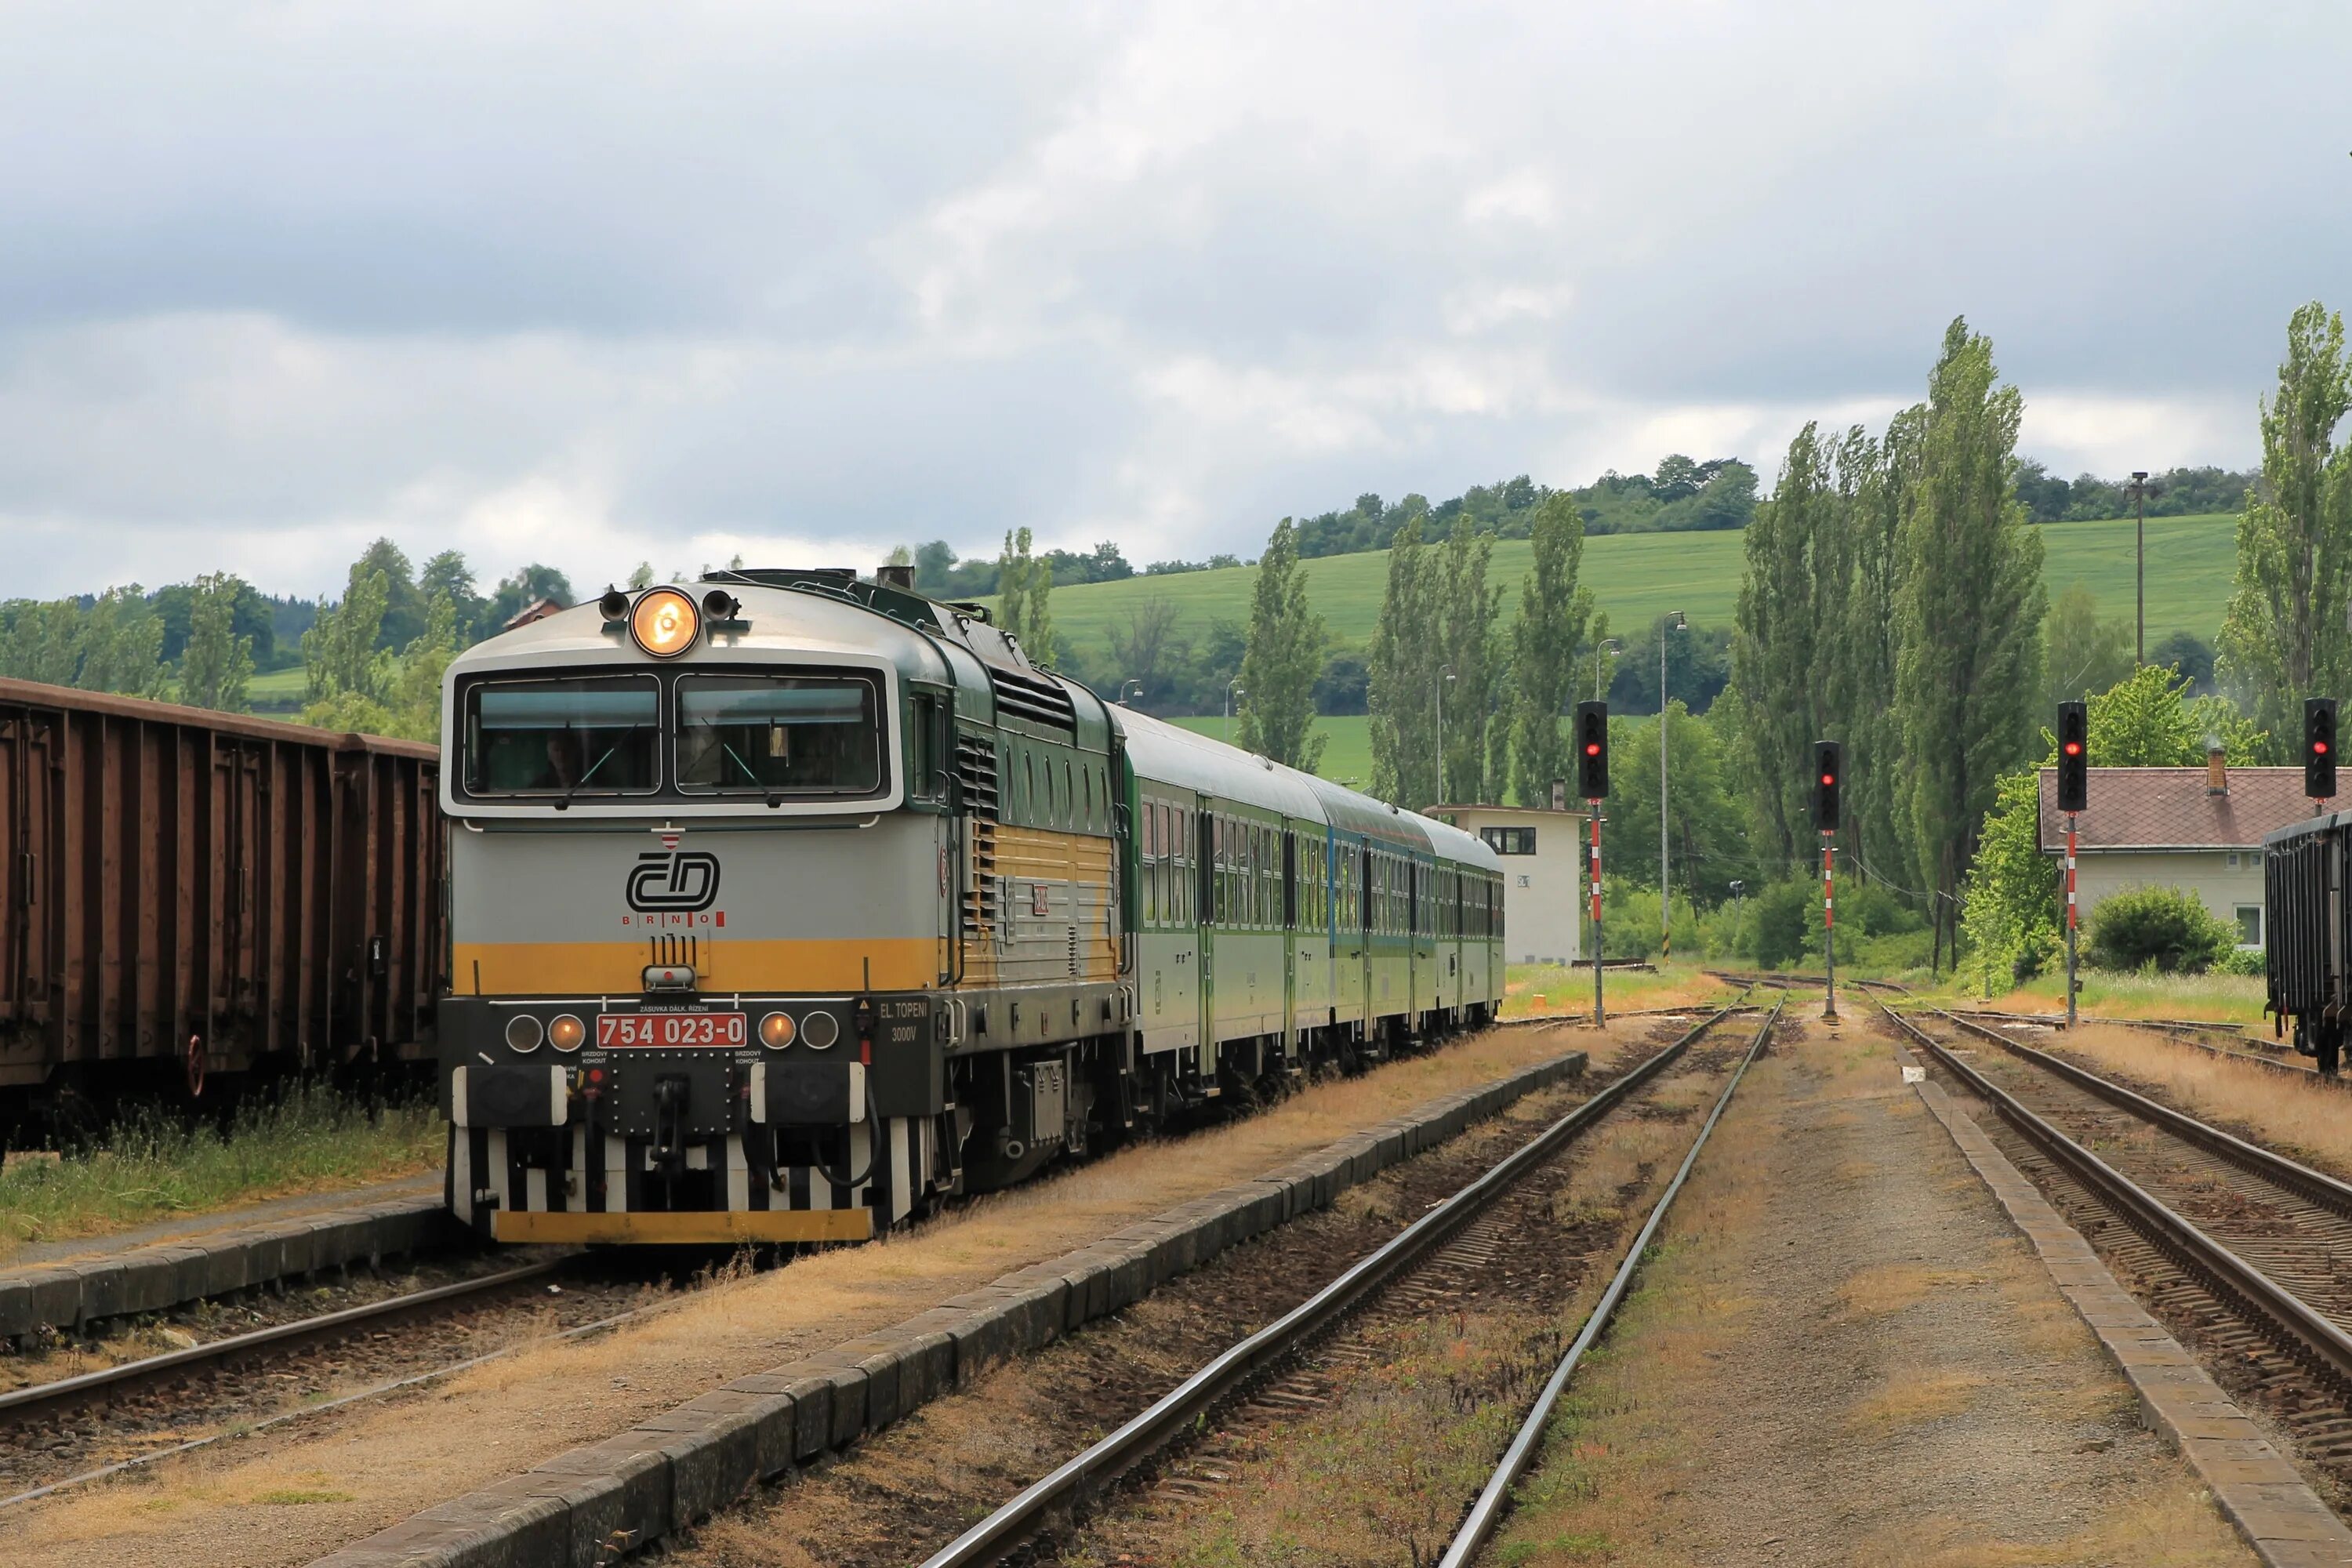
[1636, 577]
[278, 691]
[2220, 998]
[153, 1167]
[1347, 749]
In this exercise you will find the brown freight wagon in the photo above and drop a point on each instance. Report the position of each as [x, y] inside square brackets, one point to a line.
[189, 893]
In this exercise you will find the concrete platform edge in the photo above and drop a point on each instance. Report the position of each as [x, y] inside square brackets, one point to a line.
[2253, 1485]
[716, 1448]
[167, 1274]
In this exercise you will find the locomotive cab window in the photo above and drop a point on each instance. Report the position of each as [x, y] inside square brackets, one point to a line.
[563, 737]
[792, 734]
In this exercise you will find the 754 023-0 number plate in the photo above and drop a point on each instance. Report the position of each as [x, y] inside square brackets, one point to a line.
[670, 1029]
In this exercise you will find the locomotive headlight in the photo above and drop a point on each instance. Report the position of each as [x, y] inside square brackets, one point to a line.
[776, 1031]
[820, 1030]
[523, 1033]
[566, 1032]
[664, 623]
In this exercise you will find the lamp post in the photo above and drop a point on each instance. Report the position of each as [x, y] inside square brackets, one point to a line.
[1438, 682]
[1608, 646]
[1739, 912]
[2137, 489]
[1128, 686]
[1674, 622]
[1233, 692]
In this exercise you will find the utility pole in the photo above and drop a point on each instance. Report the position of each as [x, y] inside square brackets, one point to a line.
[2138, 490]
[1673, 622]
[1738, 912]
[1232, 691]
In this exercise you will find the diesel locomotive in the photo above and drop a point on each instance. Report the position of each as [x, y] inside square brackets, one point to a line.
[784, 905]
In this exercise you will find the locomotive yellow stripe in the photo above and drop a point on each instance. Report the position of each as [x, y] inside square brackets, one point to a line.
[705, 1227]
[616, 968]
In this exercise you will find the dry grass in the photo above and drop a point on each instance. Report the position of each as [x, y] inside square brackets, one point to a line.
[1568, 993]
[396, 1457]
[1914, 1394]
[1891, 1286]
[2309, 1121]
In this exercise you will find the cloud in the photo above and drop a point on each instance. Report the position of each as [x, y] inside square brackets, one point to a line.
[594, 284]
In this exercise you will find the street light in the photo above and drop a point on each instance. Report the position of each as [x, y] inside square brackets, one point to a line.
[1128, 686]
[1233, 693]
[1739, 912]
[1438, 682]
[1674, 622]
[2138, 491]
[1608, 645]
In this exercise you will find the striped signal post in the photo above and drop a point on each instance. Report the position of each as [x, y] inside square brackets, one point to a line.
[2074, 797]
[1600, 1015]
[1593, 784]
[1828, 787]
[1829, 921]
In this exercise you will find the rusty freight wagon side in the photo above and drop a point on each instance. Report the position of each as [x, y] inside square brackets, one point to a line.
[185, 893]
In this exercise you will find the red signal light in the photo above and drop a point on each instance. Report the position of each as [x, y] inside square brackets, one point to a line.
[1591, 748]
[1829, 778]
[2073, 747]
[2319, 746]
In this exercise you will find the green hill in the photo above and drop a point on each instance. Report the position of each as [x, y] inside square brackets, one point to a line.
[1637, 577]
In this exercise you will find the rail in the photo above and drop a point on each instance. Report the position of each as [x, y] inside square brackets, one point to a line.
[1001, 1532]
[2308, 1335]
[1487, 1511]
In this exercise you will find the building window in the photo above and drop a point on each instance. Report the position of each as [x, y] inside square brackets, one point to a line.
[2233, 859]
[2250, 925]
[1509, 840]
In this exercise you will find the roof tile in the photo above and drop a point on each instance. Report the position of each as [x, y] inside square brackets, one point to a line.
[2170, 808]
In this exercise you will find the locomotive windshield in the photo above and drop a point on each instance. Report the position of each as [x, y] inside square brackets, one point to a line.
[563, 737]
[778, 736]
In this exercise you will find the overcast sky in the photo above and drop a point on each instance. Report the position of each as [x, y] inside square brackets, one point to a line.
[590, 284]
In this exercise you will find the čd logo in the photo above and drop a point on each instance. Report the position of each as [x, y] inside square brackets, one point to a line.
[683, 880]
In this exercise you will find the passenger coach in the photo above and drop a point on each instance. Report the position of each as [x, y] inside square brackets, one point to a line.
[782, 905]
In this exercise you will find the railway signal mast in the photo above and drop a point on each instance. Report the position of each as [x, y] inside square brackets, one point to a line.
[1592, 783]
[1829, 777]
[2074, 797]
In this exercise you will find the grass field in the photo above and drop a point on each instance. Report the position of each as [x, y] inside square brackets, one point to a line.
[1347, 751]
[1636, 577]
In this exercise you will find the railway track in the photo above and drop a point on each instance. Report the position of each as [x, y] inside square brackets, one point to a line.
[1806, 981]
[68, 1431]
[1294, 1363]
[2179, 1035]
[2245, 1254]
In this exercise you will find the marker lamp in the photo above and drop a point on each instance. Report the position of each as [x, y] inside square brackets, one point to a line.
[566, 1032]
[776, 1031]
[665, 623]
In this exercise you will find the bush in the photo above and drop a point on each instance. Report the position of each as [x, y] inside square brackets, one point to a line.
[2240, 961]
[2159, 928]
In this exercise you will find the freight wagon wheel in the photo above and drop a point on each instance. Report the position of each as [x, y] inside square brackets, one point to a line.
[194, 1063]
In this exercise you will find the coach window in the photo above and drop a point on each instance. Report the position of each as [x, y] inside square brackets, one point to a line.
[563, 737]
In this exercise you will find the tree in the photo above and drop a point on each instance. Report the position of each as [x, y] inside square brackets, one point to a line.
[122, 645]
[403, 605]
[42, 641]
[643, 577]
[1022, 586]
[1880, 481]
[2148, 721]
[1151, 650]
[2085, 653]
[340, 659]
[1404, 667]
[525, 588]
[1284, 657]
[1554, 617]
[447, 576]
[1969, 614]
[1462, 628]
[2284, 638]
[1779, 650]
[1707, 837]
[217, 664]
[2010, 903]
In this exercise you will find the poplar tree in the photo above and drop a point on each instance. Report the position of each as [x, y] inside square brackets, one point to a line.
[1022, 586]
[1780, 646]
[1464, 635]
[1284, 657]
[2285, 637]
[1402, 663]
[1970, 610]
[1880, 478]
[1554, 615]
[218, 664]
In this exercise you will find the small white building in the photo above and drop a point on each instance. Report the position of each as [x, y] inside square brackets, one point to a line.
[2198, 830]
[1543, 876]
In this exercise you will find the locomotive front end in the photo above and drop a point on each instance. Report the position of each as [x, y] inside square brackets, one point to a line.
[698, 911]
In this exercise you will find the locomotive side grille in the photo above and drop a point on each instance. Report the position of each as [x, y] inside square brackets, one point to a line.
[976, 767]
[1039, 702]
[980, 898]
